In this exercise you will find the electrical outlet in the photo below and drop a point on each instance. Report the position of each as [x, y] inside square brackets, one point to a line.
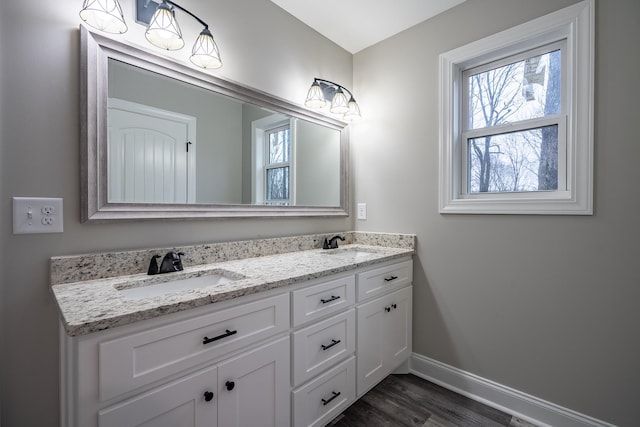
[37, 215]
[362, 211]
[48, 210]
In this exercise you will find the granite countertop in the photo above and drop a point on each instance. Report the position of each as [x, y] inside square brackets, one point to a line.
[88, 306]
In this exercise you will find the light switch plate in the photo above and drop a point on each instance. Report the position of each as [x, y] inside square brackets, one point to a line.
[362, 211]
[37, 215]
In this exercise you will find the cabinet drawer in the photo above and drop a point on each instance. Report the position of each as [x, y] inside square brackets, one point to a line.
[321, 400]
[179, 403]
[380, 280]
[135, 360]
[316, 301]
[321, 345]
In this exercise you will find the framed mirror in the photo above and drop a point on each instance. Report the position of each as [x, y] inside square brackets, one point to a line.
[162, 140]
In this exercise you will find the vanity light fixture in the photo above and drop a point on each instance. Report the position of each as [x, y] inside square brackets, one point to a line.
[162, 31]
[323, 92]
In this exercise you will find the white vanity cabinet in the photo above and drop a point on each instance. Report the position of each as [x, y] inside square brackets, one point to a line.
[203, 367]
[323, 350]
[374, 310]
[384, 315]
[296, 355]
[217, 395]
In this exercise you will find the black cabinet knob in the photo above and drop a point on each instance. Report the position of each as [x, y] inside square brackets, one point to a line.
[208, 395]
[230, 385]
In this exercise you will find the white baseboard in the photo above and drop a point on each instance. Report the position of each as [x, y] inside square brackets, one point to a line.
[524, 406]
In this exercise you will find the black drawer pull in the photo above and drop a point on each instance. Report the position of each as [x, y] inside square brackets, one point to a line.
[327, 347]
[208, 395]
[228, 333]
[390, 278]
[326, 401]
[333, 298]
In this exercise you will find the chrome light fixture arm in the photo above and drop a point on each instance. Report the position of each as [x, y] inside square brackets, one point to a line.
[176, 5]
[317, 79]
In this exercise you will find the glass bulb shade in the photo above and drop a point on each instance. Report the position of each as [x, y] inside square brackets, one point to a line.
[353, 115]
[164, 31]
[339, 104]
[315, 97]
[104, 15]
[205, 53]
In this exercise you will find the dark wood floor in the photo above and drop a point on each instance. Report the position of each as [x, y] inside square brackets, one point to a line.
[406, 400]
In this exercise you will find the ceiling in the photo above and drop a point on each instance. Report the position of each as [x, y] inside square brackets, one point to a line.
[357, 24]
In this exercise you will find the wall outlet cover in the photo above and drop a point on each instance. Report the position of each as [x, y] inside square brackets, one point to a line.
[33, 215]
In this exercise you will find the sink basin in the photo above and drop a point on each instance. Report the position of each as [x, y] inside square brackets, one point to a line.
[157, 289]
[351, 253]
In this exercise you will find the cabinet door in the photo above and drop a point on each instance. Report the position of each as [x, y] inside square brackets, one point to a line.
[397, 329]
[384, 337]
[370, 346]
[187, 402]
[254, 387]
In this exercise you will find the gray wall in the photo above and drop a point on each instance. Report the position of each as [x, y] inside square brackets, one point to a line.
[250, 113]
[40, 157]
[545, 304]
[317, 165]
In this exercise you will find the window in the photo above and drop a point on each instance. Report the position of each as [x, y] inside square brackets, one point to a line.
[510, 129]
[278, 166]
[273, 151]
[516, 123]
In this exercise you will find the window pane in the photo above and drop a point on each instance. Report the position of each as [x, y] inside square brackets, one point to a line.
[279, 146]
[526, 89]
[518, 161]
[278, 183]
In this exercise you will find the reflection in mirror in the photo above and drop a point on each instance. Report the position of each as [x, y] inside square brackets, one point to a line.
[168, 141]
[174, 142]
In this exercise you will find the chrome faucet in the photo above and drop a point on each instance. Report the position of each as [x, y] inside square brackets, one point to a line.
[170, 263]
[332, 243]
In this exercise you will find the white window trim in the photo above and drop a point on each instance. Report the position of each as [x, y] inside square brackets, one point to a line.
[575, 24]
